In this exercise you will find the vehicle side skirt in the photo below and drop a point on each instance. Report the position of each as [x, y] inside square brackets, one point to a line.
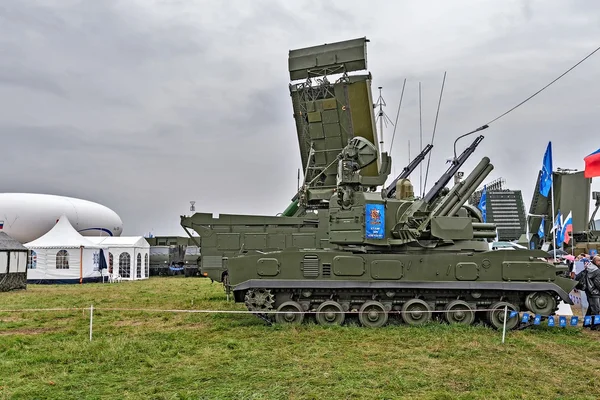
[241, 288]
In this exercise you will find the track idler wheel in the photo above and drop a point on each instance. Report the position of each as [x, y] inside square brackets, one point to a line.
[330, 313]
[459, 312]
[259, 300]
[416, 312]
[289, 312]
[542, 303]
[372, 314]
[495, 317]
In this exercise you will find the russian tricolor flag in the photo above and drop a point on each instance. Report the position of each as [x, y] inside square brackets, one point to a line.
[567, 228]
[592, 165]
[1, 224]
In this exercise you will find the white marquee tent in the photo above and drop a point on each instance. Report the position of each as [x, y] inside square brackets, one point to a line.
[128, 255]
[63, 256]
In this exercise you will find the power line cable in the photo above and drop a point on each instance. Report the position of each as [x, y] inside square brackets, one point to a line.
[524, 101]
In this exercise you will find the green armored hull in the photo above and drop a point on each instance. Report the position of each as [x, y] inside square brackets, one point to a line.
[331, 284]
[414, 257]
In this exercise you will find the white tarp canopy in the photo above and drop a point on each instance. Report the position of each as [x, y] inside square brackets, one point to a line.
[62, 255]
[13, 263]
[130, 253]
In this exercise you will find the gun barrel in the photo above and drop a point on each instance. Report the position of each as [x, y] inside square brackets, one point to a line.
[456, 164]
[457, 193]
[484, 226]
[391, 189]
[469, 191]
[484, 234]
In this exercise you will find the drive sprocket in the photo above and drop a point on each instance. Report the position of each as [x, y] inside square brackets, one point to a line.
[259, 300]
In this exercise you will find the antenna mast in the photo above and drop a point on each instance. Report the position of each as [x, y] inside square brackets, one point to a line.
[409, 155]
[437, 113]
[421, 188]
[382, 117]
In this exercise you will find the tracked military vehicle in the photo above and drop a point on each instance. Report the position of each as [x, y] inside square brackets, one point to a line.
[332, 103]
[412, 256]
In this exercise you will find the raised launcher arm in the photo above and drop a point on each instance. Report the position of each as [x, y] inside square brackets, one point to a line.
[434, 216]
[442, 215]
[436, 190]
[390, 191]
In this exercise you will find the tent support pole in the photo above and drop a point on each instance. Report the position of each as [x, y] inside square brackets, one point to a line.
[80, 265]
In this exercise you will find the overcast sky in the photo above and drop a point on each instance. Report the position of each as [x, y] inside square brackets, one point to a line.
[145, 105]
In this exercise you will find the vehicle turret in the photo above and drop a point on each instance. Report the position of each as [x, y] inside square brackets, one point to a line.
[439, 218]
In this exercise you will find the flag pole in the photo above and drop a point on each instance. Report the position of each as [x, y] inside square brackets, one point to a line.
[553, 213]
[572, 245]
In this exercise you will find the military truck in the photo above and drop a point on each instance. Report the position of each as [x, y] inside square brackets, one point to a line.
[168, 250]
[591, 241]
[572, 192]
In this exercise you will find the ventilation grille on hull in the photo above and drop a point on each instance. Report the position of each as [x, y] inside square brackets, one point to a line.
[326, 269]
[311, 266]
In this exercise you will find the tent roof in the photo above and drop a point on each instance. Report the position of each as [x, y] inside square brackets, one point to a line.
[119, 241]
[8, 243]
[62, 236]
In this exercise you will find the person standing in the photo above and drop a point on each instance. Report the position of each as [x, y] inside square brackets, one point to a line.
[589, 282]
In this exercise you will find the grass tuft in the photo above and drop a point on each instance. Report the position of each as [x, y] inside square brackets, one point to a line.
[161, 355]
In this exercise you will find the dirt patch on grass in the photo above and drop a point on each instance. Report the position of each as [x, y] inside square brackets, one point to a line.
[26, 331]
[129, 322]
[12, 318]
[194, 325]
[160, 325]
[595, 334]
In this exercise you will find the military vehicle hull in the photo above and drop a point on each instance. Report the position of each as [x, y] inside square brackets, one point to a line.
[331, 285]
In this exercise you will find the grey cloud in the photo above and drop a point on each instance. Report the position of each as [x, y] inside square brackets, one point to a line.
[526, 8]
[21, 76]
[144, 106]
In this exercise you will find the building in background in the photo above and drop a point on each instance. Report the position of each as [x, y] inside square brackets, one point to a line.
[505, 208]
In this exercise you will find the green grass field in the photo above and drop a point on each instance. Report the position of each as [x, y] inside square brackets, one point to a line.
[165, 355]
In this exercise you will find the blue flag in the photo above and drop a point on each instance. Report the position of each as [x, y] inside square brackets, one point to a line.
[546, 176]
[483, 204]
[551, 321]
[574, 320]
[541, 230]
[560, 230]
[557, 228]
